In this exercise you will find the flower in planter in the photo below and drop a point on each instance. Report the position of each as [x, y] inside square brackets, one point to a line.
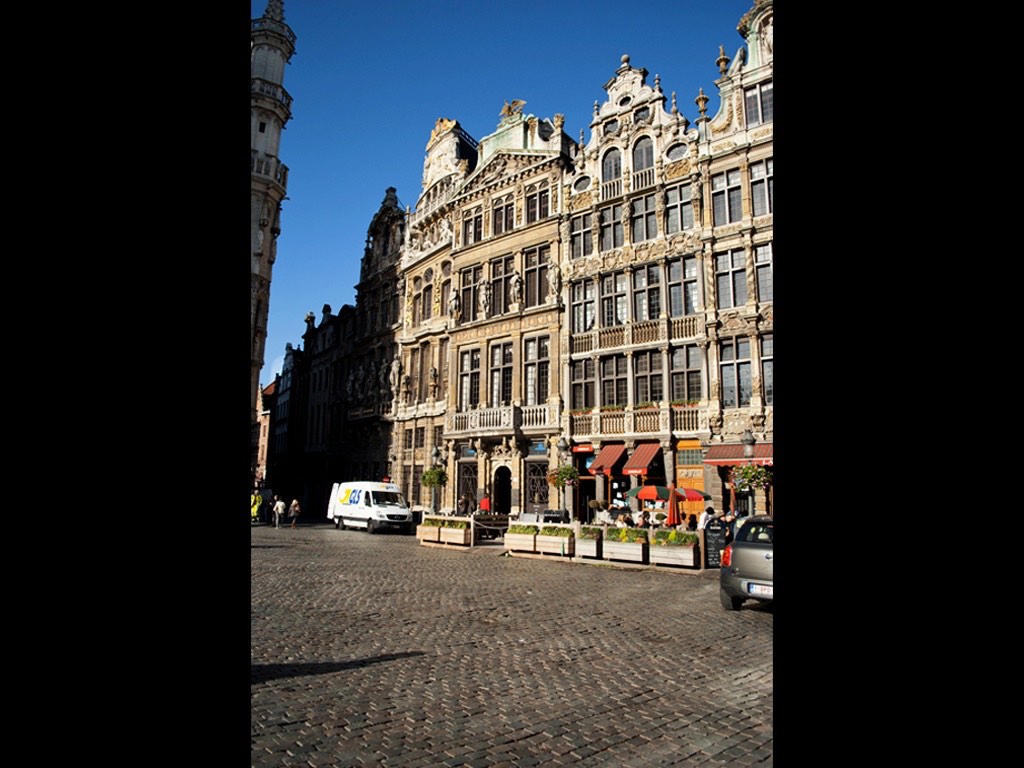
[529, 530]
[674, 538]
[627, 535]
[432, 521]
[645, 405]
[551, 530]
[591, 532]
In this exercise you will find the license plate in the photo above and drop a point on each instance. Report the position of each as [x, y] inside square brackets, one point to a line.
[759, 589]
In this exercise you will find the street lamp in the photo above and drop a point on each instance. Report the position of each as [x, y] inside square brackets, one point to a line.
[563, 451]
[435, 460]
[748, 453]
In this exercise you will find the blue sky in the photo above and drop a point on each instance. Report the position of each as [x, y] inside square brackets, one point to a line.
[370, 79]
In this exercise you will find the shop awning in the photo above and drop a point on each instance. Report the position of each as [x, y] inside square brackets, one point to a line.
[609, 456]
[641, 459]
[730, 454]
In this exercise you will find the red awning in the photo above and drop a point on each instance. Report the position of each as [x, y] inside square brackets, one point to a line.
[641, 459]
[727, 455]
[607, 458]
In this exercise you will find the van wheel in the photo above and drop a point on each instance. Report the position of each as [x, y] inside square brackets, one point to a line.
[371, 527]
[337, 522]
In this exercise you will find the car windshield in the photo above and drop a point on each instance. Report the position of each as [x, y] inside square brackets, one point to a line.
[757, 532]
[388, 498]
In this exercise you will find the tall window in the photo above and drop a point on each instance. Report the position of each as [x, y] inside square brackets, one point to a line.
[536, 370]
[768, 368]
[501, 276]
[536, 265]
[501, 373]
[682, 286]
[731, 279]
[611, 227]
[469, 281]
[536, 203]
[763, 270]
[644, 220]
[426, 363]
[407, 440]
[685, 373]
[762, 186]
[420, 433]
[446, 294]
[611, 166]
[582, 306]
[725, 197]
[679, 208]
[472, 226]
[647, 381]
[735, 366]
[643, 163]
[428, 301]
[582, 384]
[438, 440]
[613, 380]
[759, 103]
[646, 293]
[613, 299]
[469, 379]
[581, 236]
[503, 213]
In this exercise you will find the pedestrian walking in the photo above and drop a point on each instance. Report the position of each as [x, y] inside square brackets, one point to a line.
[294, 511]
[278, 511]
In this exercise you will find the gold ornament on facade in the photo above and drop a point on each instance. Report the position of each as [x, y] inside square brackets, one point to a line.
[443, 124]
[723, 60]
[513, 108]
[702, 103]
[677, 169]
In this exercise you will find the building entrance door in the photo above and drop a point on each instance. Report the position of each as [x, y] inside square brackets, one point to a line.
[501, 498]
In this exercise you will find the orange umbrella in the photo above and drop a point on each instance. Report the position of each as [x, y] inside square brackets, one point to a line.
[673, 519]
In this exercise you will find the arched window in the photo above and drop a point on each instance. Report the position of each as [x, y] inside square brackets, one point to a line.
[611, 175]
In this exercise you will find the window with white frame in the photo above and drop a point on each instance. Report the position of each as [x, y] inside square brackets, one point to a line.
[643, 220]
[536, 202]
[648, 384]
[614, 380]
[726, 202]
[731, 278]
[536, 265]
[682, 287]
[646, 293]
[469, 379]
[581, 236]
[759, 103]
[613, 299]
[536, 370]
[582, 294]
[501, 374]
[503, 215]
[763, 271]
[762, 186]
[582, 376]
[611, 227]
[768, 368]
[685, 373]
[678, 208]
[734, 356]
[472, 226]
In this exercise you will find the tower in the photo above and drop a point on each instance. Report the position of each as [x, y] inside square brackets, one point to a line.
[273, 44]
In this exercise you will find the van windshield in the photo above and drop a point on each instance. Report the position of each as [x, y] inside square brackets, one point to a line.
[388, 498]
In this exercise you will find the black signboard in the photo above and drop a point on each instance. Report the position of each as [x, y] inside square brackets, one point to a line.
[714, 542]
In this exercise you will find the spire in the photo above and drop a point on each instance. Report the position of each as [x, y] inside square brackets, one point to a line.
[275, 10]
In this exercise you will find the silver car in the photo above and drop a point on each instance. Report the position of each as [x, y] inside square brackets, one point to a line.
[746, 566]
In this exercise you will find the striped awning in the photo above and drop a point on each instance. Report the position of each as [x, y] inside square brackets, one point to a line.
[641, 459]
[609, 456]
[727, 455]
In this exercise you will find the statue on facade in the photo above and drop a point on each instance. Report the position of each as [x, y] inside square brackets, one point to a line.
[515, 288]
[485, 299]
[554, 282]
[453, 305]
[394, 377]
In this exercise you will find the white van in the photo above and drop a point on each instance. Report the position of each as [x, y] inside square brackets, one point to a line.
[373, 506]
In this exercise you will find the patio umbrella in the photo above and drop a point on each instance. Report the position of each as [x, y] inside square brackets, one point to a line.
[661, 493]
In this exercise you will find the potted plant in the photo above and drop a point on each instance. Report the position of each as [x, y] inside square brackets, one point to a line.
[672, 547]
[646, 405]
[589, 542]
[521, 537]
[555, 540]
[429, 529]
[565, 475]
[625, 544]
[677, 404]
[456, 532]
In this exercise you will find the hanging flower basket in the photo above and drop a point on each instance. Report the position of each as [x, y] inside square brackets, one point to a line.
[564, 475]
[749, 476]
[434, 477]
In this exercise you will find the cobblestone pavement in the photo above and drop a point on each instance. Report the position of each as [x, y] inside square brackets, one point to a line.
[378, 651]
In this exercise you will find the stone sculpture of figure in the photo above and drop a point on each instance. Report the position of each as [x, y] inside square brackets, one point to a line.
[433, 375]
[453, 304]
[396, 371]
[446, 230]
[485, 299]
[554, 282]
[259, 240]
[515, 287]
[310, 320]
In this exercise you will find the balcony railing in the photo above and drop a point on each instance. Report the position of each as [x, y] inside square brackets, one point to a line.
[501, 419]
[643, 179]
[271, 90]
[644, 332]
[610, 189]
[268, 167]
[636, 421]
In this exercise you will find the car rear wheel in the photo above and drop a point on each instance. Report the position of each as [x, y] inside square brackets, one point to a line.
[729, 602]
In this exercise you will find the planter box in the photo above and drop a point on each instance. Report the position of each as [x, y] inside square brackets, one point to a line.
[688, 556]
[588, 547]
[521, 542]
[555, 545]
[456, 536]
[428, 533]
[635, 551]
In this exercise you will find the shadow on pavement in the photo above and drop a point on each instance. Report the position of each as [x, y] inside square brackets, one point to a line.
[261, 673]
